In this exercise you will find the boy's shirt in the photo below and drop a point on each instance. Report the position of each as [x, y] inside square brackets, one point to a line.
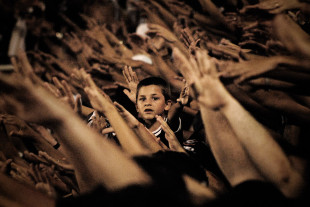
[159, 132]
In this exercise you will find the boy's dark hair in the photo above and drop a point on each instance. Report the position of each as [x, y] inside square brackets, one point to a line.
[165, 87]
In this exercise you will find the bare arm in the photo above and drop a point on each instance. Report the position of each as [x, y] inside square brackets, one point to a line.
[145, 136]
[96, 160]
[101, 102]
[266, 155]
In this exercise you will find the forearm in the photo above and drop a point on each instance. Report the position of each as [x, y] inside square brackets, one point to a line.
[146, 137]
[265, 153]
[227, 149]
[126, 136]
[96, 160]
[86, 110]
[11, 195]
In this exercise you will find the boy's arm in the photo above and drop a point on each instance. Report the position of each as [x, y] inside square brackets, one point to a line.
[176, 109]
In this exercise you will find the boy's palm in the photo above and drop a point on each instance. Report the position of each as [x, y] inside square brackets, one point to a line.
[132, 81]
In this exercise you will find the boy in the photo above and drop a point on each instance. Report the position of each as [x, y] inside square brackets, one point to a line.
[153, 98]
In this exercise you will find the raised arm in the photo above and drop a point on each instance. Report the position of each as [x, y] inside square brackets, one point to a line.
[266, 155]
[95, 160]
[147, 138]
[101, 102]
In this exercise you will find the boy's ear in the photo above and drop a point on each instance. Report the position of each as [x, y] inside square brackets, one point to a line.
[168, 105]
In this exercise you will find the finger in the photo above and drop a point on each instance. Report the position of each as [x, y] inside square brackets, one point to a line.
[59, 85]
[128, 74]
[195, 71]
[165, 126]
[16, 133]
[52, 89]
[165, 147]
[133, 75]
[125, 74]
[90, 81]
[68, 93]
[5, 166]
[107, 130]
[78, 104]
[32, 173]
[119, 106]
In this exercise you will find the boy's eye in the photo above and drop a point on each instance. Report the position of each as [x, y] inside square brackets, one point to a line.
[141, 99]
[155, 98]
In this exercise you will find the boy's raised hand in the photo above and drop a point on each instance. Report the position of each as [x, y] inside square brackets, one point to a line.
[132, 81]
[174, 144]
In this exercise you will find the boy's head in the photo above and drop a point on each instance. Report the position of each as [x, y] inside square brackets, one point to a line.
[153, 97]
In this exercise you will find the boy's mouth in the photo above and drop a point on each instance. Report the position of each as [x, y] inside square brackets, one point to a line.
[148, 110]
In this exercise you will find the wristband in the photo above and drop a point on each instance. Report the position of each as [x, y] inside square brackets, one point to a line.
[56, 146]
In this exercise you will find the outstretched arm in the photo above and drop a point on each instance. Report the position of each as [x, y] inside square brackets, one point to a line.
[95, 160]
[11, 195]
[102, 102]
[145, 136]
[266, 155]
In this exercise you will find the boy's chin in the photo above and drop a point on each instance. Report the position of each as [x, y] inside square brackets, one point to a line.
[149, 117]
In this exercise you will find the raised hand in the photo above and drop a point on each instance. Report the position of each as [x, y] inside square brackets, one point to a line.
[73, 42]
[97, 122]
[33, 104]
[132, 81]
[21, 128]
[162, 32]
[188, 39]
[212, 92]
[201, 71]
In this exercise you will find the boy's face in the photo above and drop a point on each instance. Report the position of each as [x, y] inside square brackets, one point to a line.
[151, 102]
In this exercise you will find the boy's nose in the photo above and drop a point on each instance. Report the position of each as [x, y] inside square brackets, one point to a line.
[147, 102]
